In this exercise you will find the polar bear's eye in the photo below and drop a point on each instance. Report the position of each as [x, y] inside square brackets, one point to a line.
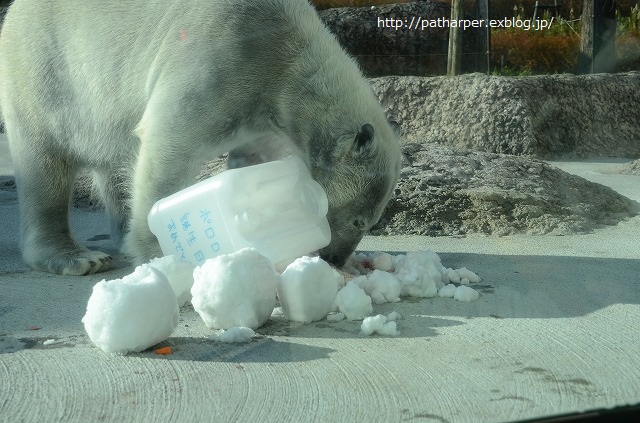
[360, 223]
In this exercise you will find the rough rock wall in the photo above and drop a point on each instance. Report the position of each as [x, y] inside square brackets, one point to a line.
[382, 50]
[547, 116]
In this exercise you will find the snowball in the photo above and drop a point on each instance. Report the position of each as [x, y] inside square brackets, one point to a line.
[178, 273]
[388, 329]
[335, 317]
[361, 281]
[465, 293]
[465, 273]
[237, 289]
[447, 291]
[453, 276]
[394, 315]
[419, 273]
[378, 324]
[132, 313]
[307, 289]
[382, 261]
[381, 286]
[354, 302]
[49, 342]
[235, 334]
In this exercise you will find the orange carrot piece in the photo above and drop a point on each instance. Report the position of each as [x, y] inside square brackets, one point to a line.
[164, 350]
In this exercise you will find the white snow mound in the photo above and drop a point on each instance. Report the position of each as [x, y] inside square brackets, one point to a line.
[237, 289]
[307, 289]
[353, 302]
[133, 313]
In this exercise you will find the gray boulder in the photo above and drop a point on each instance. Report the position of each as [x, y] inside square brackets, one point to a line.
[547, 116]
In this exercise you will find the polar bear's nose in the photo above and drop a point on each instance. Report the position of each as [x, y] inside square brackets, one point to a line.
[337, 260]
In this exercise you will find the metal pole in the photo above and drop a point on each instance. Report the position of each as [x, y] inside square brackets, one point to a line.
[593, 35]
[488, 37]
[455, 40]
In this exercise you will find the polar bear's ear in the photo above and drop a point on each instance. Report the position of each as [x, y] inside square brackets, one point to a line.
[364, 138]
[395, 126]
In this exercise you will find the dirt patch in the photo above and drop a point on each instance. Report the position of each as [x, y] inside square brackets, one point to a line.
[448, 192]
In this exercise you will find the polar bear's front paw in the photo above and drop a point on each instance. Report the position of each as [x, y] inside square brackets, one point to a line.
[79, 261]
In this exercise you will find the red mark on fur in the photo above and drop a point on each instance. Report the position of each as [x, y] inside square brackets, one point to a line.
[183, 35]
[34, 328]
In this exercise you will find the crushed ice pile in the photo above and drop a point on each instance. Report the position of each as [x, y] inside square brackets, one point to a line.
[236, 293]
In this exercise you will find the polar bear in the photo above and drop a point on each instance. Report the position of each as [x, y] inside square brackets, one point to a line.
[143, 93]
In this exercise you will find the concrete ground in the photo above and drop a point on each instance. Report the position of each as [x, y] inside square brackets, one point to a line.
[556, 330]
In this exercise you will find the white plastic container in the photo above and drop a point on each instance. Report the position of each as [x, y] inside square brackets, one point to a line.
[274, 207]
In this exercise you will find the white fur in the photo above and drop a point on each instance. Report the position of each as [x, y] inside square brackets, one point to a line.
[145, 92]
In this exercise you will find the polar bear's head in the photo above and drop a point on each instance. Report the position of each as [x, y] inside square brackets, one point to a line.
[359, 177]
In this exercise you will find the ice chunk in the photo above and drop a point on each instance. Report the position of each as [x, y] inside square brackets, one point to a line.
[354, 302]
[381, 286]
[419, 273]
[465, 273]
[237, 289]
[235, 334]
[382, 261]
[394, 315]
[133, 313]
[307, 289]
[378, 324]
[453, 276]
[447, 291]
[466, 293]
